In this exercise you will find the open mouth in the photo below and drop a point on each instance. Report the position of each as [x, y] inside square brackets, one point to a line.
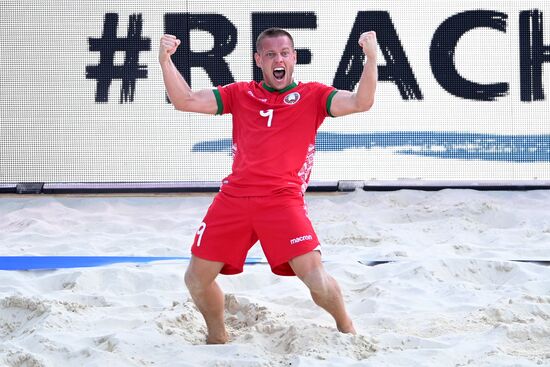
[279, 73]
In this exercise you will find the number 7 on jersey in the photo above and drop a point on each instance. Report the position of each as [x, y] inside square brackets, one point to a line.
[268, 114]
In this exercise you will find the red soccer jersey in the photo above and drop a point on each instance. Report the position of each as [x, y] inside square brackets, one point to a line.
[273, 134]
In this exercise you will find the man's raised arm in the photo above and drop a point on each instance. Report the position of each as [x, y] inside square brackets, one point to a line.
[179, 92]
[346, 102]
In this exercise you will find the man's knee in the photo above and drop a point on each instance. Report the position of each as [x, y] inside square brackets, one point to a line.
[317, 280]
[311, 272]
[192, 281]
[201, 273]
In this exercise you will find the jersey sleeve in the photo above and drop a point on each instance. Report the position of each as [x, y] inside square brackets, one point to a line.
[327, 93]
[328, 103]
[224, 97]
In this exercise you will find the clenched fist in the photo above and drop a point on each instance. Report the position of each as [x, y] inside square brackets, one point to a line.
[369, 44]
[168, 45]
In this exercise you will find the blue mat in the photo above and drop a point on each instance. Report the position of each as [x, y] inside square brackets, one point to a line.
[65, 262]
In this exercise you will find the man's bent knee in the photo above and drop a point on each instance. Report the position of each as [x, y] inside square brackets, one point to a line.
[310, 270]
[192, 282]
[201, 273]
[318, 281]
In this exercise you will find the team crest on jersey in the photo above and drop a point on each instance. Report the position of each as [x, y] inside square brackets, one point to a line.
[292, 98]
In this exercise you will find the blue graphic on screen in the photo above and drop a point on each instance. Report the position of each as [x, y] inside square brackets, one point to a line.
[444, 145]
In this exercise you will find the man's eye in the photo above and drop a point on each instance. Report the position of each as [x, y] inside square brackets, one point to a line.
[270, 54]
[285, 54]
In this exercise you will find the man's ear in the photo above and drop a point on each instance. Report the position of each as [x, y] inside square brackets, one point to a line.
[258, 59]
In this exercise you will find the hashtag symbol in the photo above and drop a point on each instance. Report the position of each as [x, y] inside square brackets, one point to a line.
[107, 45]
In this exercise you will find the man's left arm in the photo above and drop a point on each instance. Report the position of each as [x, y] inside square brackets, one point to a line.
[345, 102]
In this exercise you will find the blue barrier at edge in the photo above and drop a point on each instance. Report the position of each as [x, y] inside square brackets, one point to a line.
[64, 262]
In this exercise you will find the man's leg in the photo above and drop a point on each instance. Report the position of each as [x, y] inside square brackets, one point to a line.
[324, 288]
[208, 297]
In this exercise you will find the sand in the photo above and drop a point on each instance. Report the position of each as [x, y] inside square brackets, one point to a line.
[450, 295]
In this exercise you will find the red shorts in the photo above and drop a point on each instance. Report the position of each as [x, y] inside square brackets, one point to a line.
[233, 225]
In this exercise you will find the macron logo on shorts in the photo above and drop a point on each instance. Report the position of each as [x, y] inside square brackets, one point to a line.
[300, 239]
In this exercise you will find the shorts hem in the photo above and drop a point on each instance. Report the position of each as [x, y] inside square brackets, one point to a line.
[227, 269]
[283, 268]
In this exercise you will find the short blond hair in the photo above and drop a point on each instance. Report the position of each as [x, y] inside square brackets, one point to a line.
[270, 33]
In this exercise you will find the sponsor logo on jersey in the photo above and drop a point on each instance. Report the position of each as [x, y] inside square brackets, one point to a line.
[292, 98]
[296, 240]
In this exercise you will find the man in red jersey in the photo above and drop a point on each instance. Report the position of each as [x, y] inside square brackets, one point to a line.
[274, 127]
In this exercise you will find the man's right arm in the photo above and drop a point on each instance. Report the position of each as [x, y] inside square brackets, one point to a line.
[179, 92]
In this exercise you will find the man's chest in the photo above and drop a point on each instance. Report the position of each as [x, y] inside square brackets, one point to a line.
[273, 111]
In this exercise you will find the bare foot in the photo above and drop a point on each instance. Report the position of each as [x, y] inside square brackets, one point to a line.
[347, 328]
[220, 338]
